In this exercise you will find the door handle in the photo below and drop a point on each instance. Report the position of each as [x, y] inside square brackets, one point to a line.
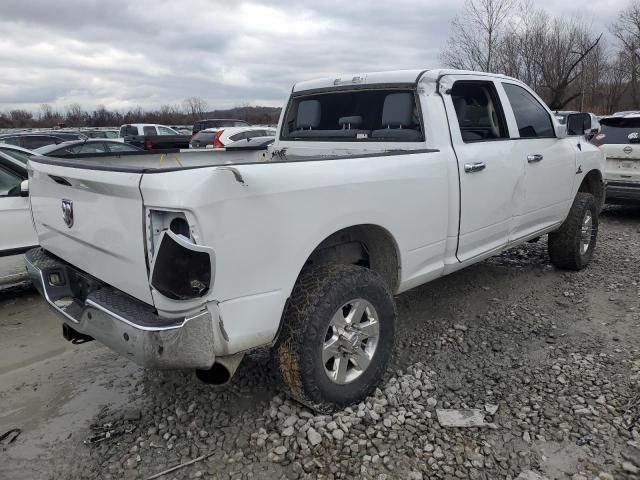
[534, 158]
[474, 167]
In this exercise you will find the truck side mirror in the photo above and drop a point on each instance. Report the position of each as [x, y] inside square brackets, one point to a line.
[24, 188]
[579, 124]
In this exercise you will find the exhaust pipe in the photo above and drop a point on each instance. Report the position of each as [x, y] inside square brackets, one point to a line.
[222, 370]
[74, 336]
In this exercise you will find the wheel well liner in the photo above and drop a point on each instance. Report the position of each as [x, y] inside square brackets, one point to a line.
[366, 245]
[592, 183]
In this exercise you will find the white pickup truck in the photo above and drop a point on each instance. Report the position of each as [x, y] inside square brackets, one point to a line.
[375, 184]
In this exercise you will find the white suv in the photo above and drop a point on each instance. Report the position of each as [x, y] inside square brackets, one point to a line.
[619, 139]
[221, 137]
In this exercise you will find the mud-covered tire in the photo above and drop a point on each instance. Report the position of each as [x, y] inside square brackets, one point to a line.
[566, 245]
[318, 294]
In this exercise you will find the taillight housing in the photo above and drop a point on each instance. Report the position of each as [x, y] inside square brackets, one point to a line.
[216, 140]
[179, 268]
[148, 144]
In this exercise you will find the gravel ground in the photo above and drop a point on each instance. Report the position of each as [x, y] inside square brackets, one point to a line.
[550, 359]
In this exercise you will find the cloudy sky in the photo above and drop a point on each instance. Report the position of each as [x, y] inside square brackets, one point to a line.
[142, 52]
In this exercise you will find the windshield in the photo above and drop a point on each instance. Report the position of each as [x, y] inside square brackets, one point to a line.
[358, 115]
[22, 157]
[618, 130]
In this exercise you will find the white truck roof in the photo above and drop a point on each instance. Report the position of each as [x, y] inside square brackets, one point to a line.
[393, 76]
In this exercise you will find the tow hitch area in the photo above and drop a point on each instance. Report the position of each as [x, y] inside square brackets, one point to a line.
[74, 336]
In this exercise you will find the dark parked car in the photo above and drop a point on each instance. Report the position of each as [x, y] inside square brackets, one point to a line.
[217, 123]
[87, 147]
[31, 141]
[151, 136]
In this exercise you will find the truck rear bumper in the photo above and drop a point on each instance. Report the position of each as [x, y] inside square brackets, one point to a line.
[621, 192]
[122, 323]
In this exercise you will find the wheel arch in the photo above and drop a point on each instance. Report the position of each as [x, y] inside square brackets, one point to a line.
[367, 245]
[593, 183]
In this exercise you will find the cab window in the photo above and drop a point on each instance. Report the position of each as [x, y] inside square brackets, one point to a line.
[363, 115]
[479, 112]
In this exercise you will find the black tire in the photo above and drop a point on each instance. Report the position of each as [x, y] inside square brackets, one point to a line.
[565, 244]
[316, 297]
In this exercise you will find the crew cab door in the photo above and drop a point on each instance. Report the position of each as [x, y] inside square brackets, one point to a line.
[549, 163]
[489, 170]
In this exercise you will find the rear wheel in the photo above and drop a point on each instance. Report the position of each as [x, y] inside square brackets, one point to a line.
[571, 247]
[337, 337]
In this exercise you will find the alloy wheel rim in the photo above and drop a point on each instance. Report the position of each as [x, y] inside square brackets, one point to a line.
[351, 341]
[586, 231]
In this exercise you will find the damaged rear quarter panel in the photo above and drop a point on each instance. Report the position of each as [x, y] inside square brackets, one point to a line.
[263, 230]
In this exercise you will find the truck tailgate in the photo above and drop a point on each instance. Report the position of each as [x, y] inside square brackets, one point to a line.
[102, 233]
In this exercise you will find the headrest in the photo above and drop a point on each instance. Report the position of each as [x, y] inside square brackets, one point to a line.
[350, 122]
[308, 114]
[477, 95]
[398, 110]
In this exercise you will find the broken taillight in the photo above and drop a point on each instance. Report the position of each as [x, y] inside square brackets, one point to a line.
[181, 270]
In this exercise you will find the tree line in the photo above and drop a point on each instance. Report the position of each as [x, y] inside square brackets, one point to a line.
[191, 109]
[568, 63]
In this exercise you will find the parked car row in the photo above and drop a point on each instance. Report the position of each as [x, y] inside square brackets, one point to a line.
[90, 146]
[32, 141]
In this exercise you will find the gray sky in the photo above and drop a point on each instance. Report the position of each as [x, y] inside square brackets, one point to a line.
[142, 52]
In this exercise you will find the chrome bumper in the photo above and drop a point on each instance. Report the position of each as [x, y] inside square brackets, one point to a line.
[122, 323]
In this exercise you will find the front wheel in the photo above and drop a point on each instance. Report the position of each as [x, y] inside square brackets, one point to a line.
[338, 336]
[571, 247]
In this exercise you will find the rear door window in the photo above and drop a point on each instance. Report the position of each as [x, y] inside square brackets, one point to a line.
[532, 118]
[36, 141]
[239, 136]
[165, 131]
[121, 147]
[128, 131]
[149, 130]
[618, 131]
[93, 147]
[382, 115]
[479, 112]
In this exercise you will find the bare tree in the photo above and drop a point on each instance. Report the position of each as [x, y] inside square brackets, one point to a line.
[477, 34]
[627, 31]
[195, 107]
[522, 46]
[614, 84]
[567, 44]
[74, 115]
[20, 118]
